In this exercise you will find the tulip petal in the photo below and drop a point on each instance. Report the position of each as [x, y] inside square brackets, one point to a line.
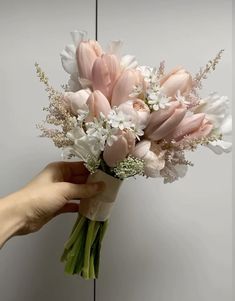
[178, 80]
[141, 149]
[100, 76]
[158, 117]
[86, 54]
[125, 85]
[97, 103]
[116, 152]
[104, 73]
[167, 76]
[169, 125]
[120, 148]
[187, 126]
[204, 130]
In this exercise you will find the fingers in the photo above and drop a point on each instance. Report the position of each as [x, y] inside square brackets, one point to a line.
[64, 171]
[81, 179]
[77, 191]
[68, 208]
[74, 168]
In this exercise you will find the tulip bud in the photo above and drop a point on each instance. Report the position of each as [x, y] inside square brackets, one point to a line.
[87, 52]
[164, 121]
[105, 71]
[188, 125]
[203, 131]
[97, 103]
[177, 80]
[169, 125]
[120, 148]
[125, 85]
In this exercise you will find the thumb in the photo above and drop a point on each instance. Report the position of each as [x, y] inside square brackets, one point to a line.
[77, 191]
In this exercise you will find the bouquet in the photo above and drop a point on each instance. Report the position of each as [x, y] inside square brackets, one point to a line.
[123, 119]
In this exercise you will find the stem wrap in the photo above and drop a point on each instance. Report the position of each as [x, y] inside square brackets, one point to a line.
[98, 208]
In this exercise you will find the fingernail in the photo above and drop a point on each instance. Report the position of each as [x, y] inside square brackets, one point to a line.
[99, 186]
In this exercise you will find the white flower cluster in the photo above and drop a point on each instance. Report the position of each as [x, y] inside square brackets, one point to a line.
[119, 119]
[155, 97]
[90, 138]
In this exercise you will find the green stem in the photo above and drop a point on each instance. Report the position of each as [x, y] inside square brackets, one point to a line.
[80, 259]
[91, 267]
[90, 231]
[96, 229]
[76, 223]
[75, 233]
[72, 257]
[102, 231]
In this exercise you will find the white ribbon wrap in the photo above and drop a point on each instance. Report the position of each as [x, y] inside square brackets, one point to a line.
[98, 208]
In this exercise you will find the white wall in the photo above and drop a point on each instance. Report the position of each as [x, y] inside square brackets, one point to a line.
[165, 242]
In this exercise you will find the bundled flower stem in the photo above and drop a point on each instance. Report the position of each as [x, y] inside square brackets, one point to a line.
[82, 250]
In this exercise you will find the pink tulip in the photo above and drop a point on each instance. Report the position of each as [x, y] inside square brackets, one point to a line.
[203, 131]
[120, 148]
[97, 103]
[105, 71]
[169, 125]
[177, 80]
[153, 158]
[87, 52]
[125, 85]
[137, 109]
[77, 100]
[189, 125]
[164, 121]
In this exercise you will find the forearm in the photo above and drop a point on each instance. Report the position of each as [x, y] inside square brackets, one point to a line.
[12, 218]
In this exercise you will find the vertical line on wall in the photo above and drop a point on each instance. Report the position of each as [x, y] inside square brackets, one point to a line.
[96, 37]
[96, 20]
[94, 289]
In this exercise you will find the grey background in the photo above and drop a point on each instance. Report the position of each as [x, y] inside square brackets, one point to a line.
[165, 242]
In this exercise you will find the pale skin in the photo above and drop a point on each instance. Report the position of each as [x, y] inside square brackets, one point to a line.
[49, 194]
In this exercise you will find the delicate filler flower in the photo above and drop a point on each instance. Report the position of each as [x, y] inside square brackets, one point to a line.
[156, 99]
[129, 167]
[181, 99]
[120, 120]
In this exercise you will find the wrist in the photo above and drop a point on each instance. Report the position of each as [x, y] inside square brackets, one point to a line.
[12, 216]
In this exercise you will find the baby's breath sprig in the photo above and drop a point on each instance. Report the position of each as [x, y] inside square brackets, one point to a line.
[161, 70]
[188, 143]
[92, 164]
[57, 114]
[41, 75]
[129, 167]
[203, 72]
[192, 144]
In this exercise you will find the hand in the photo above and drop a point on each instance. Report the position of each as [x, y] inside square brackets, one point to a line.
[48, 195]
